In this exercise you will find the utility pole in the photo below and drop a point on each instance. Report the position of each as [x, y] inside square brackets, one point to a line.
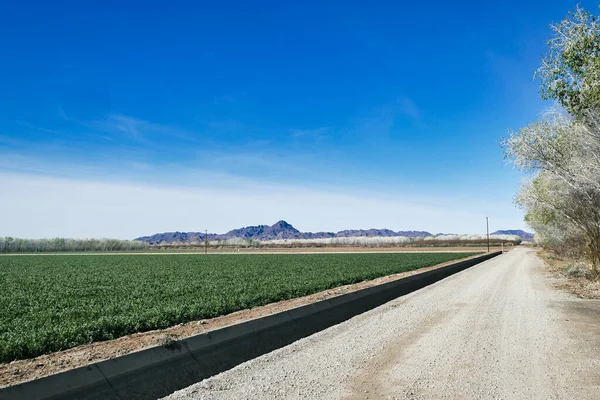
[206, 241]
[487, 224]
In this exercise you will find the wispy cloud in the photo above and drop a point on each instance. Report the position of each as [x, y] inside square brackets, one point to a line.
[133, 128]
[226, 125]
[229, 98]
[7, 140]
[315, 136]
[139, 129]
[41, 129]
[62, 114]
[408, 107]
[130, 126]
[377, 123]
[383, 120]
[315, 132]
[31, 164]
[188, 165]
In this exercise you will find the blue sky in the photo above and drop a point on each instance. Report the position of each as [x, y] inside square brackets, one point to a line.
[122, 119]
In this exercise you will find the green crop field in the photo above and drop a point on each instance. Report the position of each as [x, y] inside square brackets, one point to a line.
[55, 302]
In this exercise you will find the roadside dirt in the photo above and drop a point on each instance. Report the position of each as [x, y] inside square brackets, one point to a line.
[561, 270]
[24, 370]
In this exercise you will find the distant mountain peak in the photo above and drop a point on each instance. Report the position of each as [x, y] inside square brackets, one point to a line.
[284, 225]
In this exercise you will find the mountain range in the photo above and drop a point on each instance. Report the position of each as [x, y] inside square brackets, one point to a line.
[284, 230]
[525, 236]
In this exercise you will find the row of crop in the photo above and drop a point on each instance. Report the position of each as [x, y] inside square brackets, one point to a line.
[18, 245]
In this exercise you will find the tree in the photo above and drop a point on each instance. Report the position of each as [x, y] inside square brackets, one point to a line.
[570, 72]
[562, 200]
[18, 245]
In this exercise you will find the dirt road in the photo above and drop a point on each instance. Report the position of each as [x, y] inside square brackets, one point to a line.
[496, 331]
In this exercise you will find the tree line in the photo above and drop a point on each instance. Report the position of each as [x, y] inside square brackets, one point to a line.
[17, 245]
[561, 151]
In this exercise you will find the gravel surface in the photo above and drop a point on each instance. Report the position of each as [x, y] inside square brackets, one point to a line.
[496, 331]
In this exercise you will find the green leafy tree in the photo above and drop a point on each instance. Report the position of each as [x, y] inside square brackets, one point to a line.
[570, 72]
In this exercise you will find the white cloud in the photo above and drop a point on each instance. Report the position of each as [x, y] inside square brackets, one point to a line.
[38, 206]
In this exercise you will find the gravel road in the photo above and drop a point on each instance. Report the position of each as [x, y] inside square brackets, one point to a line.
[496, 331]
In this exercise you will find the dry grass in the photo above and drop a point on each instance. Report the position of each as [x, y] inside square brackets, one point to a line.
[572, 275]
